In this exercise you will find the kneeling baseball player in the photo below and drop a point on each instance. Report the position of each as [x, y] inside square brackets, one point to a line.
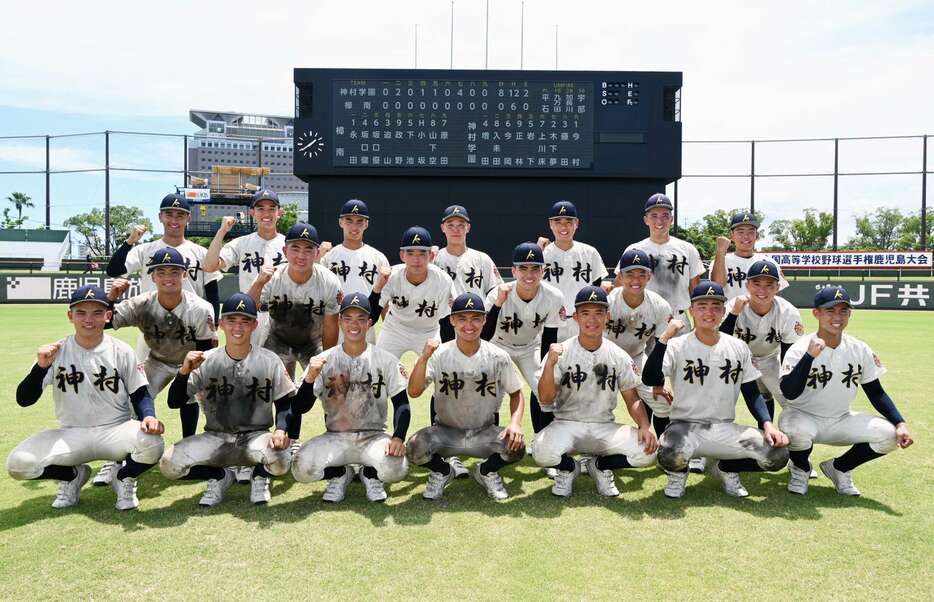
[98, 386]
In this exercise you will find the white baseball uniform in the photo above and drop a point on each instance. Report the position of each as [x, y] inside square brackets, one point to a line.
[473, 271]
[674, 263]
[357, 270]
[737, 269]
[570, 271]
[414, 310]
[141, 254]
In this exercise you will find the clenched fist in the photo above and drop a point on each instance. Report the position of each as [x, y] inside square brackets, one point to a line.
[46, 354]
[674, 327]
[265, 274]
[502, 293]
[135, 234]
[382, 279]
[723, 244]
[193, 360]
[315, 366]
[119, 286]
[554, 352]
[816, 345]
[227, 224]
[431, 345]
[738, 304]
[324, 247]
[543, 242]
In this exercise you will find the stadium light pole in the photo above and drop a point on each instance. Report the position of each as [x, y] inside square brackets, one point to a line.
[924, 193]
[48, 188]
[752, 177]
[836, 174]
[107, 192]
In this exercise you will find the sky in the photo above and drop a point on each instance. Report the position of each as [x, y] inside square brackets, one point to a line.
[752, 70]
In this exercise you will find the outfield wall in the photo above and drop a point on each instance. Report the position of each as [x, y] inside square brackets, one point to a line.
[871, 294]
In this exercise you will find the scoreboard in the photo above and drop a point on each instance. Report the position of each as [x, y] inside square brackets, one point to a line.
[486, 123]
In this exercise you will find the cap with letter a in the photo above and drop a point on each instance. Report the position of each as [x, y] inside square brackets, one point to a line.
[707, 290]
[175, 201]
[166, 257]
[830, 296]
[562, 209]
[635, 259]
[455, 211]
[355, 301]
[302, 231]
[658, 201]
[744, 218]
[89, 292]
[528, 253]
[355, 208]
[465, 302]
[264, 195]
[591, 295]
[415, 238]
[763, 268]
[239, 304]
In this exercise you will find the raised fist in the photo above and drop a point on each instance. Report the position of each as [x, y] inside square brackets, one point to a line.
[738, 304]
[502, 293]
[135, 234]
[324, 247]
[723, 244]
[816, 345]
[117, 288]
[46, 354]
[383, 278]
[431, 345]
[227, 224]
[265, 274]
[542, 242]
[315, 366]
[674, 327]
[193, 359]
[554, 352]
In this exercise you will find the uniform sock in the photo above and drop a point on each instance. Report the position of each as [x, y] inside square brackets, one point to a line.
[856, 455]
[260, 471]
[492, 464]
[58, 473]
[295, 426]
[131, 468]
[189, 416]
[204, 473]
[613, 462]
[437, 464]
[770, 405]
[660, 423]
[540, 419]
[334, 472]
[800, 458]
[741, 465]
[566, 464]
[370, 472]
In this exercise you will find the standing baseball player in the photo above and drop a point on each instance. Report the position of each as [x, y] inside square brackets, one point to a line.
[470, 376]
[250, 253]
[354, 381]
[820, 376]
[637, 317]
[581, 379]
[173, 321]
[98, 385]
[239, 385]
[708, 370]
[569, 264]
[731, 270]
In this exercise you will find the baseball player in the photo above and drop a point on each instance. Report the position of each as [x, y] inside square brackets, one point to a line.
[98, 385]
[470, 376]
[355, 263]
[581, 379]
[636, 318]
[250, 253]
[731, 270]
[708, 370]
[354, 381]
[820, 375]
[239, 385]
[569, 264]
[173, 321]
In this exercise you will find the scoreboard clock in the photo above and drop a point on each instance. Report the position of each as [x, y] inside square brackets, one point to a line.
[568, 124]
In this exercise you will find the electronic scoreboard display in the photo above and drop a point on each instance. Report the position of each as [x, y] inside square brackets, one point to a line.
[486, 123]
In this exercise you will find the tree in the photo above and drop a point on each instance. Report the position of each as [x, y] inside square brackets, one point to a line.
[20, 201]
[91, 226]
[809, 233]
[879, 230]
[909, 233]
[703, 234]
[288, 219]
[10, 222]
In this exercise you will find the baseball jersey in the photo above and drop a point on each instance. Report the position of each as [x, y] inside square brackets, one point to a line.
[92, 387]
[472, 272]
[251, 253]
[296, 311]
[237, 396]
[706, 380]
[468, 391]
[736, 270]
[417, 306]
[570, 271]
[765, 334]
[835, 375]
[141, 254]
[631, 328]
[355, 390]
[589, 382]
[169, 334]
[521, 322]
[356, 268]
[674, 263]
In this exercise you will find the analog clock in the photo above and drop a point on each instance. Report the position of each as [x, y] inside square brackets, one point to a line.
[310, 143]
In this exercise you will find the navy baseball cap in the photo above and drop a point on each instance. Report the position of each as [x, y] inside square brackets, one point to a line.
[467, 302]
[635, 259]
[591, 295]
[416, 238]
[658, 201]
[562, 209]
[830, 296]
[455, 211]
[528, 253]
[744, 218]
[355, 301]
[165, 257]
[707, 289]
[239, 304]
[175, 201]
[265, 195]
[355, 207]
[303, 231]
[763, 268]
[89, 292]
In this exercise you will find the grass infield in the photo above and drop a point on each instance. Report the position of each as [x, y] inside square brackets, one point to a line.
[533, 546]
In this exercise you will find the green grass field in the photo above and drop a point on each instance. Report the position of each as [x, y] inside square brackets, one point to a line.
[467, 547]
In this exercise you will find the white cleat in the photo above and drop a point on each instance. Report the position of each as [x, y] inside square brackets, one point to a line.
[551, 472]
[492, 483]
[564, 481]
[126, 493]
[798, 481]
[375, 491]
[676, 485]
[437, 481]
[217, 488]
[69, 492]
[604, 479]
[460, 471]
[259, 490]
[731, 483]
[697, 465]
[843, 481]
[243, 474]
[337, 487]
[106, 474]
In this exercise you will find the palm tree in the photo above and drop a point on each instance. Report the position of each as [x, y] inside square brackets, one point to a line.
[20, 200]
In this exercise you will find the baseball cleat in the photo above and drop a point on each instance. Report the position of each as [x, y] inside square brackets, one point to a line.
[798, 481]
[564, 481]
[604, 479]
[843, 481]
[731, 483]
[460, 471]
[337, 487]
[125, 489]
[105, 474]
[492, 483]
[243, 474]
[69, 492]
[259, 490]
[697, 465]
[214, 494]
[375, 492]
[676, 485]
[437, 481]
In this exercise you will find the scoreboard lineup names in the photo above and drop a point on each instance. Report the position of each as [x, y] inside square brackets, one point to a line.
[463, 124]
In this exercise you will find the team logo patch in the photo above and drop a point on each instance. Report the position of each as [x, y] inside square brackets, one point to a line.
[531, 255]
[745, 217]
[838, 294]
[90, 294]
[304, 233]
[403, 372]
[636, 259]
[416, 239]
[562, 211]
[355, 209]
[799, 328]
[469, 303]
[456, 211]
[765, 269]
[593, 296]
[355, 300]
[876, 360]
[710, 291]
[241, 305]
[175, 203]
